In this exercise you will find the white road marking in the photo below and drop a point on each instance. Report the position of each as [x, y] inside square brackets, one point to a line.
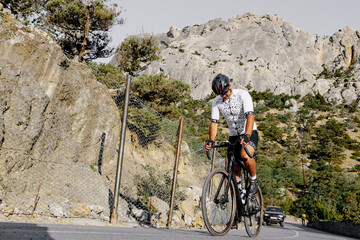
[293, 236]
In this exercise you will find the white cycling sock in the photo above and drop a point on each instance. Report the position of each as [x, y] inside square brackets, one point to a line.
[253, 178]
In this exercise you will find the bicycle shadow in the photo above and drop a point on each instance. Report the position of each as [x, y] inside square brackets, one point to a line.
[12, 230]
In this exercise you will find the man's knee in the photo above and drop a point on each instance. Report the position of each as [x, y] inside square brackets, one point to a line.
[244, 156]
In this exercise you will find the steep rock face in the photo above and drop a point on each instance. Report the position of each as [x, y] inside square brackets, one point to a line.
[53, 112]
[260, 52]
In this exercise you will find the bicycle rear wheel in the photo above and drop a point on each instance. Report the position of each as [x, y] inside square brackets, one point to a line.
[218, 206]
[254, 217]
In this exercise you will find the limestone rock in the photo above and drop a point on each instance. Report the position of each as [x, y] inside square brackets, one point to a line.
[161, 207]
[81, 210]
[259, 52]
[57, 210]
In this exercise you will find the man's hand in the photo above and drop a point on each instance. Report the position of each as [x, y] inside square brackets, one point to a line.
[208, 143]
[245, 139]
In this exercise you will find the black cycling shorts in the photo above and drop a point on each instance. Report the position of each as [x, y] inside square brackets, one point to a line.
[254, 139]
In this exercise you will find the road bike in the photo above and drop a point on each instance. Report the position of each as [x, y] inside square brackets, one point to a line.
[224, 203]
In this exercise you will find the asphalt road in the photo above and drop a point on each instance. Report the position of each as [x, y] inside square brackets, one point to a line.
[30, 231]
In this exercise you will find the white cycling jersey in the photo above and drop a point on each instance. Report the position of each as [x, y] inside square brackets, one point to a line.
[234, 109]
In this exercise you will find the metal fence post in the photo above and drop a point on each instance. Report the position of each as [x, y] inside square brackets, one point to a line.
[176, 165]
[114, 215]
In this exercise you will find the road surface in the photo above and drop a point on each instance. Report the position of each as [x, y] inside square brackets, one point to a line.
[31, 231]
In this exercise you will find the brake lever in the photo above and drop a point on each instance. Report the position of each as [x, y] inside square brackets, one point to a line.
[207, 152]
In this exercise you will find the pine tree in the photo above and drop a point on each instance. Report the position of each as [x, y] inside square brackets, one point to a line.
[135, 52]
[81, 28]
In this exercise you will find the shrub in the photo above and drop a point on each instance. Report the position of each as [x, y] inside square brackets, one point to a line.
[316, 101]
[135, 52]
[156, 184]
[271, 100]
[161, 93]
[109, 75]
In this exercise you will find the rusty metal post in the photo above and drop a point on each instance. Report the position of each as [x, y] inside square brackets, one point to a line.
[212, 167]
[36, 200]
[114, 215]
[176, 165]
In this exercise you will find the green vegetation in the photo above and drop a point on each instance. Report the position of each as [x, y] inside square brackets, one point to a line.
[316, 102]
[271, 100]
[291, 141]
[108, 74]
[158, 185]
[135, 51]
[339, 73]
[333, 195]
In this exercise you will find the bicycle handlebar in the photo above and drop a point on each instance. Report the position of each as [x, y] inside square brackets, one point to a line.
[227, 144]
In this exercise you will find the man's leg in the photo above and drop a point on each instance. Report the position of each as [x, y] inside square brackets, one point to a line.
[250, 164]
[237, 170]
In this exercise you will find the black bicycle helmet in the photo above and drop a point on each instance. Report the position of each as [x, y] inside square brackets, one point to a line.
[220, 84]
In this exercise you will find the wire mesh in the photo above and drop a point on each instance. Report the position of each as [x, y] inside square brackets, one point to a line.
[65, 186]
[56, 148]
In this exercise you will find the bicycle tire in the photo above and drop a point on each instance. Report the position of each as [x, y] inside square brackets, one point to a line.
[218, 215]
[253, 221]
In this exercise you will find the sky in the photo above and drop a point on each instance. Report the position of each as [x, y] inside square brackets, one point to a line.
[320, 17]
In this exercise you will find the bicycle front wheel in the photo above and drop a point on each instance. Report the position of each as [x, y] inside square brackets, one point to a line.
[254, 214]
[217, 204]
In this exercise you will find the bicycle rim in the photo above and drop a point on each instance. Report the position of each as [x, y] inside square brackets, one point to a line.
[253, 220]
[218, 212]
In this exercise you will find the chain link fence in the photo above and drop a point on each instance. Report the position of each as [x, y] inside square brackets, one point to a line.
[153, 140]
[67, 185]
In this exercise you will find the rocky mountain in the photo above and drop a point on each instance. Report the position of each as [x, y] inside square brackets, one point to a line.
[260, 53]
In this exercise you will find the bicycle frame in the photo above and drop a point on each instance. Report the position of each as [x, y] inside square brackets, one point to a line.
[229, 168]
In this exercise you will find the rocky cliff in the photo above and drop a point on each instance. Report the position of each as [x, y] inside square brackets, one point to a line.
[260, 53]
[53, 114]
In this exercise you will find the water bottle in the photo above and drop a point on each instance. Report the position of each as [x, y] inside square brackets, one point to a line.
[242, 192]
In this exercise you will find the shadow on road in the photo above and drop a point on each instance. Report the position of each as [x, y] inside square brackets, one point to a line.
[15, 231]
[185, 232]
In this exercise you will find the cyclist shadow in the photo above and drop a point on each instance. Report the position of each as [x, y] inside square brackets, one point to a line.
[10, 230]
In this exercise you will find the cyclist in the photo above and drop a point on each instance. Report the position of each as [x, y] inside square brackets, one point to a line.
[236, 106]
[303, 218]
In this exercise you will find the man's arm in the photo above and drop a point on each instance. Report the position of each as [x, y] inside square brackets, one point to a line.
[250, 119]
[213, 130]
[212, 134]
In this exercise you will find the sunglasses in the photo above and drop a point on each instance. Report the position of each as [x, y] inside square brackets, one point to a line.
[222, 94]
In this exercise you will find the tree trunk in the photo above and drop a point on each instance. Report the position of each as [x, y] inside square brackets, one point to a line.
[86, 34]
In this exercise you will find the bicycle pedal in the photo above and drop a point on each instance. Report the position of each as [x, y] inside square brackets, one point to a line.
[234, 225]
